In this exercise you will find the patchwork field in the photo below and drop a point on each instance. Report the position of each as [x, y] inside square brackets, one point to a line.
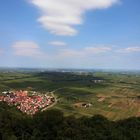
[114, 95]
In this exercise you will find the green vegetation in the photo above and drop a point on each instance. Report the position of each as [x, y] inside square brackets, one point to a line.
[113, 114]
[53, 125]
[115, 96]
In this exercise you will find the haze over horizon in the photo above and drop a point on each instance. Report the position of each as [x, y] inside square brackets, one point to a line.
[70, 34]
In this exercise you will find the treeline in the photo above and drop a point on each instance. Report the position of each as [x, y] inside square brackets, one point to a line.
[52, 125]
[66, 76]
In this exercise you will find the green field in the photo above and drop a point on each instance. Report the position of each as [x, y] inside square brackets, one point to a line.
[116, 96]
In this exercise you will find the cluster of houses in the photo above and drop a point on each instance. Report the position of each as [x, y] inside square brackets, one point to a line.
[29, 104]
[97, 81]
[83, 105]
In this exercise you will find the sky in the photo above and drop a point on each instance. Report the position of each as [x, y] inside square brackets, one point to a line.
[95, 34]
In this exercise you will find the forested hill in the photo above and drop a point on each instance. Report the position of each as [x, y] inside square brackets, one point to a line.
[52, 125]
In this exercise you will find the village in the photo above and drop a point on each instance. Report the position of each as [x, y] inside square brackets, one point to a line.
[27, 103]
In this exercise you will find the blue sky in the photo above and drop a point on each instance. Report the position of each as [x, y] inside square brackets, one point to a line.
[70, 34]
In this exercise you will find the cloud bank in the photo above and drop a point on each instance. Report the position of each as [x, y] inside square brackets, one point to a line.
[132, 49]
[32, 49]
[60, 16]
[26, 48]
[57, 43]
[87, 57]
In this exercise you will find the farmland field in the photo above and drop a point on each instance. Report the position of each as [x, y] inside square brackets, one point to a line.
[115, 95]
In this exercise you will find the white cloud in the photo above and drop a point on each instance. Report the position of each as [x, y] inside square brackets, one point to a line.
[58, 43]
[133, 49]
[59, 16]
[84, 52]
[26, 48]
[31, 49]
[87, 57]
[96, 50]
[130, 49]
[64, 53]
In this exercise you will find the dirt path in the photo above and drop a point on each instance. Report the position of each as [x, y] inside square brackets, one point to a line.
[57, 89]
[52, 93]
[47, 107]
